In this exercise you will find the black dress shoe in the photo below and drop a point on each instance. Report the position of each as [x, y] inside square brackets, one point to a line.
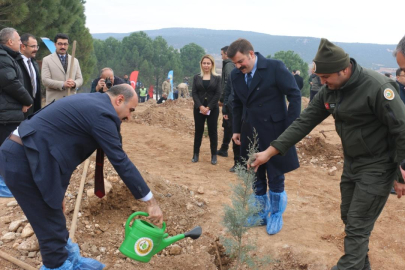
[232, 169]
[195, 158]
[214, 159]
[222, 153]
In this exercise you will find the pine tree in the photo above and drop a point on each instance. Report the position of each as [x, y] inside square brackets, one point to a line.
[243, 208]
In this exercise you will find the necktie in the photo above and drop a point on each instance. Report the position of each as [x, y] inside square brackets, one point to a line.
[34, 90]
[249, 79]
[98, 176]
[63, 59]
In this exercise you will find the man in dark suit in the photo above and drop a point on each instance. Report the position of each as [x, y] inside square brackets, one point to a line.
[37, 161]
[30, 69]
[298, 79]
[260, 86]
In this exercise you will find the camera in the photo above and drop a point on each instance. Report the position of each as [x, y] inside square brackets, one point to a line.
[108, 83]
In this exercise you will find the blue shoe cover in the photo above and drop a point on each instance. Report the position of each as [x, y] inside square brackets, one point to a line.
[276, 204]
[4, 191]
[79, 262]
[67, 265]
[259, 219]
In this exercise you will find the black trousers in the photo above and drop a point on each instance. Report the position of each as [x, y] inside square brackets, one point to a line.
[212, 123]
[312, 94]
[227, 125]
[6, 129]
[48, 224]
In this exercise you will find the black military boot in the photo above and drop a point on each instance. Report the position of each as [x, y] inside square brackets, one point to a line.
[223, 151]
[365, 267]
[195, 158]
[214, 159]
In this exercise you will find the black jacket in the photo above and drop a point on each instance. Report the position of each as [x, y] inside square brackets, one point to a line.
[227, 67]
[299, 80]
[117, 81]
[13, 95]
[228, 97]
[212, 94]
[27, 84]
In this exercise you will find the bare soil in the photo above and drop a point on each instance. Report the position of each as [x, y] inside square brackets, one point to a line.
[159, 140]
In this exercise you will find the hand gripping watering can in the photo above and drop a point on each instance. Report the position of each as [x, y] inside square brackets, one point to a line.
[143, 239]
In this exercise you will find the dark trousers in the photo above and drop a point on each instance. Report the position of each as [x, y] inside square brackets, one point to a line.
[227, 125]
[363, 198]
[5, 131]
[275, 183]
[49, 224]
[212, 123]
[312, 94]
[143, 99]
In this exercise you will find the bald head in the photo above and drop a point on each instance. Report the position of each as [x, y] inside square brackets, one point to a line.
[124, 100]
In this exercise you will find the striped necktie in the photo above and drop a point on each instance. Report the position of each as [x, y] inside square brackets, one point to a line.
[34, 90]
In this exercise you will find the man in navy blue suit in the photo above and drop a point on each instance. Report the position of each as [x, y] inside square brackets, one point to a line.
[260, 87]
[38, 159]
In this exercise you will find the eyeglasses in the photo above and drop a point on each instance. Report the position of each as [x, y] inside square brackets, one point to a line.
[32, 46]
[62, 44]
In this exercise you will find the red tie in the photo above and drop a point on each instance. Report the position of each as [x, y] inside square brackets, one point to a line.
[99, 177]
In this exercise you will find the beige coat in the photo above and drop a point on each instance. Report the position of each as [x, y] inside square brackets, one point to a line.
[166, 87]
[53, 76]
[183, 90]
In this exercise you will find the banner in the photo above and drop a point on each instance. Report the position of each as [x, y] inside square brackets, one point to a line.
[150, 91]
[133, 78]
[170, 76]
[49, 44]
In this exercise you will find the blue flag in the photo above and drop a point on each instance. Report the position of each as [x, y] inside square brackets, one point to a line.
[170, 76]
[49, 44]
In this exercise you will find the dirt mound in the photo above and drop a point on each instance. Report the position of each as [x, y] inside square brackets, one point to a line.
[314, 150]
[168, 115]
[102, 221]
[305, 102]
[179, 103]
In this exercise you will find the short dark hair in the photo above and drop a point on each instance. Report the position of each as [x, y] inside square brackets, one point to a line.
[25, 37]
[121, 89]
[387, 74]
[400, 47]
[61, 36]
[225, 49]
[240, 45]
[398, 72]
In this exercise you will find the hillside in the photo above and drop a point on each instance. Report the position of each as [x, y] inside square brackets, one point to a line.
[368, 55]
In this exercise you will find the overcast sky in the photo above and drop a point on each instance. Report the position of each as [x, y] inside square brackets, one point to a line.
[372, 21]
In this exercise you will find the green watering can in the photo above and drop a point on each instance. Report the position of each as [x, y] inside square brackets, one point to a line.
[143, 239]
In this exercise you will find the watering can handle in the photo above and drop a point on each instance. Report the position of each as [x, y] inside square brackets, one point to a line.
[127, 227]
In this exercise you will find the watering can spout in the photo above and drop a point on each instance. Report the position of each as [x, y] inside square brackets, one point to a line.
[194, 234]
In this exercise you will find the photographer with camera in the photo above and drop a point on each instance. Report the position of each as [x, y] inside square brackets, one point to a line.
[105, 81]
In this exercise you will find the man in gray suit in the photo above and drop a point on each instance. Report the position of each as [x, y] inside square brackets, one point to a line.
[56, 68]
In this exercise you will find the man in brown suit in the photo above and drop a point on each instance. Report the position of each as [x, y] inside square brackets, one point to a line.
[55, 71]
